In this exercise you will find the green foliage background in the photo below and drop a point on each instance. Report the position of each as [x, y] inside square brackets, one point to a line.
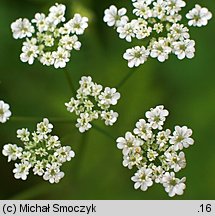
[186, 88]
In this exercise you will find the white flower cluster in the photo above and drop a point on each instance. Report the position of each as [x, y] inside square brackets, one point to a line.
[159, 22]
[93, 101]
[5, 112]
[44, 153]
[48, 38]
[156, 153]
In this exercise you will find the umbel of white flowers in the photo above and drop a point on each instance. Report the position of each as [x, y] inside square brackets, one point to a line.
[93, 101]
[155, 153]
[159, 23]
[49, 38]
[43, 153]
[5, 112]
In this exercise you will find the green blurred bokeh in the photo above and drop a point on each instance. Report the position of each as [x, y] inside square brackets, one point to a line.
[186, 88]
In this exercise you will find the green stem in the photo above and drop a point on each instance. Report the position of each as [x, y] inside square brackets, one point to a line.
[101, 130]
[57, 120]
[69, 8]
[52, 119]
[83, 145]
[32, 192]
[126, 78]
[79, 156]
[69, 80]
[23, 118]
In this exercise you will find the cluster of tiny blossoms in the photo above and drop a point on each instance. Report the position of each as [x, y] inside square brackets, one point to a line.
[93, 101]
[44, 153]
[5, 112]
[158, 21]
[156, 153]
[48, 38]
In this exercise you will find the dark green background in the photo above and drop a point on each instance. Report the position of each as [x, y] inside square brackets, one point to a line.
[186, 88]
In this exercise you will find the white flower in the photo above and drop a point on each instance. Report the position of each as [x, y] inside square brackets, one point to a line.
[41, 22]
[77, 25]
[86, 85]
[155, 153]
[36, 137]
[96, 89]
[127, 31]
[56, 14]
[142, 10]
[143, 130]
[39, 168]
[92, 102]
[22, 170]
[159, 9]
[52, 40]
[181, 138]
[179, 32]
[158, 27]
[72, 105]
[29, 52]
[23, 134]
[157, 116]
[44, 127]
[47, 59]
[12, 151]
[176, 162]
[70, 42]
[174, 6]
[53, 173]
[184, 49]
[173, 185]
[88, 105]
[5, 112]
[64, 154]
[142, 31]
[61, 57]
[133, 159]
[114, 17]
[163, 137]
[198, 16]
[157, 173]
[147, 2]
[109, 96]
[142, 179]
[160, 50]
[26, 155]
[152, 155]
[136, 56]
[174, 18]
[22, 28]
[43, 153]
[128, 143]
[83, 123]
[153, 17]
[109, 117]
[53, 142]
[48, 40]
